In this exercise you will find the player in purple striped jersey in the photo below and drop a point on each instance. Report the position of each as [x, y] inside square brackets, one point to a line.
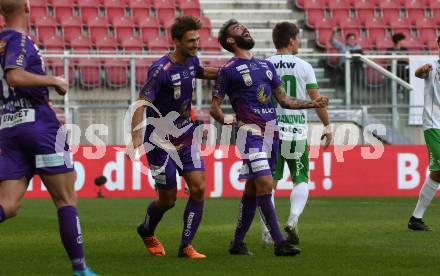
[30, 132]
[169, 139]
[250, 83]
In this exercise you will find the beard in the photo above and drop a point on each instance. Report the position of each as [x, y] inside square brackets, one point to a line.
[244, 43]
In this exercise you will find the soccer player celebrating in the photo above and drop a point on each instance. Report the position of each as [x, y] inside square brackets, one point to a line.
[168, 91]
[299, 80]
[28, 132]
[250, 84]
[431, 123]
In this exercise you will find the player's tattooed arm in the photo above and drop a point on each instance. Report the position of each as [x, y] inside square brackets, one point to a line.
[217, 113]
[20, 78]
[423, 71]
[210, 73]
[293, 103]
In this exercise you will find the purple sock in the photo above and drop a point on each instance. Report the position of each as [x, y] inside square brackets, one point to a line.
[269, 216]
[152, 219]
[191, 220]
[2, 214]
[248, 207]
[71, 236]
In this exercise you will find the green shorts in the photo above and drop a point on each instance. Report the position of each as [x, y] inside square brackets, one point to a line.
[432, 139]
[296, 154]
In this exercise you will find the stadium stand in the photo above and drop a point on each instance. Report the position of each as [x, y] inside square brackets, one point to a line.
[418, 20]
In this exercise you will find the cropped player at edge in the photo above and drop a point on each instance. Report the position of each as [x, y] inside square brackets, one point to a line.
[28, 132]
[169, 88]
[431, 124]
[299, 80]
[250, 83]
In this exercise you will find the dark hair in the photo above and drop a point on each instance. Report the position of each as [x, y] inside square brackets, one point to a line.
[398, 37]
[282, 33]
[184, 24]
[223, 34]
[349, 35]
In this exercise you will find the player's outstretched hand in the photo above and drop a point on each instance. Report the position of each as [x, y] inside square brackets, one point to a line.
[320, 102]
[61, 85]
[427, 68]
[327, 135]
[230, 120]
[135, 145]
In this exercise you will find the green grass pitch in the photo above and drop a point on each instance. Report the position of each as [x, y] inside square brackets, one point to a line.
[339, 236]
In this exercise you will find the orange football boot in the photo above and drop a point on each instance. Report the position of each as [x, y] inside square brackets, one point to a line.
[154, 246]
[190, 252]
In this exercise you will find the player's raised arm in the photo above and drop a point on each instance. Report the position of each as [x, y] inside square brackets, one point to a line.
[293, 103]
[423, 71]
[17, 77]
[209, 73]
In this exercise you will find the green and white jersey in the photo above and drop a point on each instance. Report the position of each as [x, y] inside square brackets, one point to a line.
[431, 111]
[297, 76]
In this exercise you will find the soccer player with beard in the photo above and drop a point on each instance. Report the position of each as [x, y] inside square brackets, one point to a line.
[250, 83]
[430, 72]
[29, 132]
[168, 90]
[299, 81]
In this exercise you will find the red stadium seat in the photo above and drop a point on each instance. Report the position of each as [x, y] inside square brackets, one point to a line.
[434, 4]
[189, 7]
[63, 8]
[339, 9]
[413, 4]
[432, 45]
[106, 43]
[141, 72]
[38, 3]
[415, 14]
[315, 4]
[157, 44]
[350, 25]
[114, 8]
[98, 27]
[324, 28]
[365, 43]
[140, 9]
[38, 10]
[364, 5]
[164, 4]
[166, 14]
[209, 44]
[436, 15]
[53, 43]
[206, 22]
[89, 73]
[123, 26]
[383, 43]
[145, 4]
[131, 44]
[71, 27]
[414, 44]
[425, 23]
[81, 43]
[389, 5]
[89, 9]
[149, 27]
[426, 35]
[312, 16]
[399, 22]
[116, 73]
[46, 26]
[57, 66]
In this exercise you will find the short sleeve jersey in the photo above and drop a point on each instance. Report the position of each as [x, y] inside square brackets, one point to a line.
[431, 111]
[297, 76]
[22, 107]
[169, 87]
[249, 85]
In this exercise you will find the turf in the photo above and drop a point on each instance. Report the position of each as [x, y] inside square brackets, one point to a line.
[339, 236]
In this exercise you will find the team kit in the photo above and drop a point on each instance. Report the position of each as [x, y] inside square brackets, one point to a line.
[268, 96]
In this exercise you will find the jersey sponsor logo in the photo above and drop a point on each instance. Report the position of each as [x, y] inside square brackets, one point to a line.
[284, 65]
[269, 110]
[247, 79]
[185, 74]
[20, 117]
[242, 67]
[175, 77]
[260, 166]
[262, 97]
[257, 155]
[269, 74]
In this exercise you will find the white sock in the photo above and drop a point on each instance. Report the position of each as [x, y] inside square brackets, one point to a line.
[426, 195]
[263, 225]
[298, 200]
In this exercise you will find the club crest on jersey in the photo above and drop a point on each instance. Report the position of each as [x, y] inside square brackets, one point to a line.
[247, 79]
[269, 74]
[177, 92]
[175, 77]
[262, 97]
